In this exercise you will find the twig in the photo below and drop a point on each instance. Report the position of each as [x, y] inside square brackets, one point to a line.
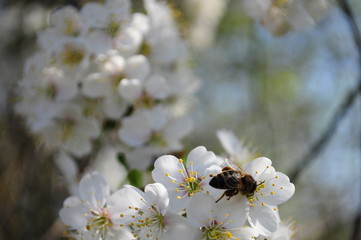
[325, 137]
[319, 145]
[350, 98]
[55, 231]
[344, 5]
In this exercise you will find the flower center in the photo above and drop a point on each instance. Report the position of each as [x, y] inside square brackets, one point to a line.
[147, 222]
[280, 3]
[145, 49]
[113, 28]
[67, 125]
[157, 139]
[99, 223]
[190, 184]
[69, 28]
[215, 231]
[72, 56]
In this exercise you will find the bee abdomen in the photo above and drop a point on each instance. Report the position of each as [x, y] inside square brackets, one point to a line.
[224, 180]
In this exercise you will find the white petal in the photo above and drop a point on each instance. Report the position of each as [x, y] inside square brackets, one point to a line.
[111, 63]
[140, 158]
[89, 128]
[77, 145]
[277, 191]
[94, 189]
[244, 233]
[128, 41]
[260, 169]
[256, 8]
[157, 194]
[120, 201]
[114, 106]
[178, 128]
[157, 117]
[264, 219]
[118, 9]
[201, 159]
[95, 85]
[107, 164]
[93, 15]
[137, 67]
[66, 165]
[130, 89]
[135, 130]
[178, 228]
[228, 140]
[236, 207]
[66, 20]
[140, 21]
[201, 207]
[98, 42]
[72, 214]
[177, 205]
[167, 165]
[157, 87]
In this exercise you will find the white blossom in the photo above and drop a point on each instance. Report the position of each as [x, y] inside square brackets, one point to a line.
[70, 131]
[235, 148]
[184, 180]
[66, 21]
[91, 213]
[219, 220]
[273, 188]
[147, 214]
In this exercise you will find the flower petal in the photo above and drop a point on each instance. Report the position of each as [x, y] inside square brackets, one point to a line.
[237, 210]
[137, 67]
[228, 140]
[178, 228]
[201, 159]
[130, 89]
[94, 189]
[121, 204]
[72, 214]
[200, 209]
[264, 219]
[157, 194]
[167, 168]
[244, 233]
[277, 191]
[260, 169]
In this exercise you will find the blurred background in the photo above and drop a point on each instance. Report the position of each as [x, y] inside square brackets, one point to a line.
[277, 93]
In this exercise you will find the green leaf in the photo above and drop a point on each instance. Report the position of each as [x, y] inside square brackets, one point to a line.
[123, 160]
[135, 178]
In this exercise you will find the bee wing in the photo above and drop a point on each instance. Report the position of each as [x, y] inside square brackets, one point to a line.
[234, 165]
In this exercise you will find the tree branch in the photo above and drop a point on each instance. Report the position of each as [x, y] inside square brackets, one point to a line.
[320, 144]
[345, 7]
[325, 137]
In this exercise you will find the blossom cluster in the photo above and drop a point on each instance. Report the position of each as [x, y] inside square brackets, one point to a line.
[181, 204]
[281, 16]
[104, 73]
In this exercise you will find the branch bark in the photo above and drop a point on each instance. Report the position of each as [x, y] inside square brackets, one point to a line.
[345, 7]
[325, 137]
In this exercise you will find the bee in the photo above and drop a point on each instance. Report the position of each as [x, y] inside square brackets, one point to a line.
[234, 181]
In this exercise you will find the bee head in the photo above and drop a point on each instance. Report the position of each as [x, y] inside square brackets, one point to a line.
[249, 184]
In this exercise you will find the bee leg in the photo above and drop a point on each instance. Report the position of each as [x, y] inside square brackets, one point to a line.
[260, 183]
[231, 193]
[221, 196]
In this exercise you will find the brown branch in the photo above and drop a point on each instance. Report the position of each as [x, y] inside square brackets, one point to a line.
[345, 7]
[321, 143]
[325, 137]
